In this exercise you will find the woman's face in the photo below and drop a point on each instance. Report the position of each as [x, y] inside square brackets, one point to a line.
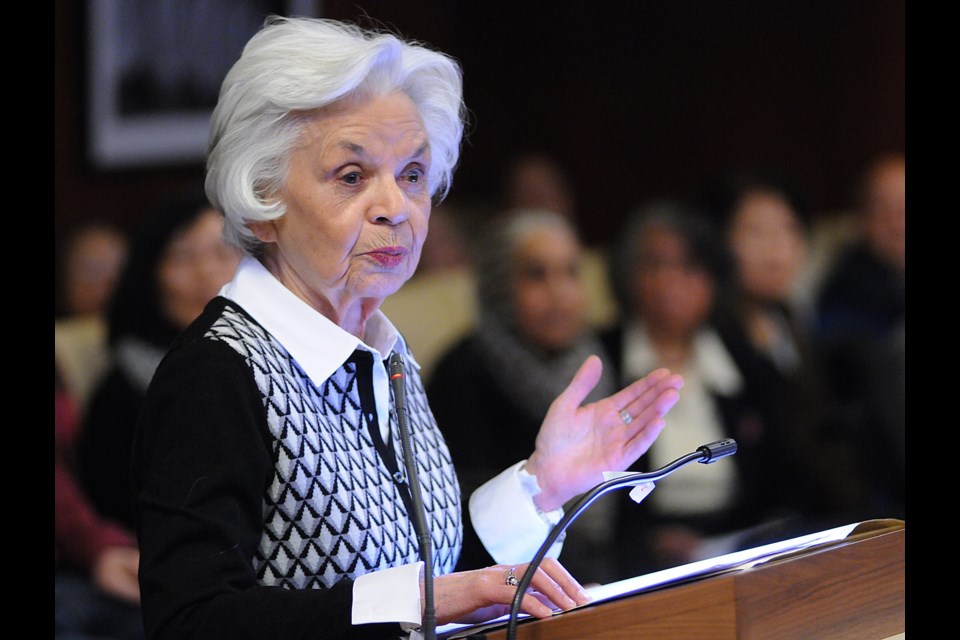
[549, 296]
[193, 268]
[358, 205]
[769, 244]
[673, 294]
[93, 266]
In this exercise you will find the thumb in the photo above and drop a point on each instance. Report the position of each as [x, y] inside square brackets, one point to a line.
[584, 381]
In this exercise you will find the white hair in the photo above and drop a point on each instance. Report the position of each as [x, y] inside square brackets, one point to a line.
[293, 66]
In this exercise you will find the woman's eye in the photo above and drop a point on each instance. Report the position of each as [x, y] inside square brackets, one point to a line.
[351, 178]
[414, 175]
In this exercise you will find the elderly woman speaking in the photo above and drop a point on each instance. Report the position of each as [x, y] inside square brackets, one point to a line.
[269, 480]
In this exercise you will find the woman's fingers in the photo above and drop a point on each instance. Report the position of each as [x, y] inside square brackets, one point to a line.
[647, 399]
[564, 580]
[583, 382]
[640, 442]
[552, 587]
[649, 409]
[484, 594]
[649, 422]
[638, 388]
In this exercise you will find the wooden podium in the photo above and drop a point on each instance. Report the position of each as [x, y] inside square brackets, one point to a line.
[849, 589]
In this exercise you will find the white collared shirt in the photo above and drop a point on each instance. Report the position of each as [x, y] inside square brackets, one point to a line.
[692, 422]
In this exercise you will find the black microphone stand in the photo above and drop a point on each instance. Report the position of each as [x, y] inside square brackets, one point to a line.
[704, 454]
[429, 625]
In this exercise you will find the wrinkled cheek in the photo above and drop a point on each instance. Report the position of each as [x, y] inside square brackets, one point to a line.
[414, 257]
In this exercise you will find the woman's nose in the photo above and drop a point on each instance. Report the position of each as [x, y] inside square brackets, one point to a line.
[389, 204]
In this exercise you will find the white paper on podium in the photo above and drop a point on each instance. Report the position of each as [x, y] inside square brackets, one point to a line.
[730, 561]
[737, 560]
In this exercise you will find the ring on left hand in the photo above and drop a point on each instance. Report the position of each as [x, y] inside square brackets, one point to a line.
[625, 416]
[512, 580]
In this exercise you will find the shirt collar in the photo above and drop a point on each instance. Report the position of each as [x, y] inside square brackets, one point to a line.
[319, 345]
[710, 359]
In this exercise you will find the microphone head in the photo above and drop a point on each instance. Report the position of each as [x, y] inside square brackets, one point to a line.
[396, 365]
[716, 450]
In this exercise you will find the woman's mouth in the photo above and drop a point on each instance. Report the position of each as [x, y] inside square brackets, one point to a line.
[389, 256]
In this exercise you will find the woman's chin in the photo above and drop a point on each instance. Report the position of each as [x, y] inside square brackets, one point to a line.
[383, 284]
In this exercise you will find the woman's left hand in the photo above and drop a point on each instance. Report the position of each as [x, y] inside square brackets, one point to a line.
[484, 594]
[576, 444]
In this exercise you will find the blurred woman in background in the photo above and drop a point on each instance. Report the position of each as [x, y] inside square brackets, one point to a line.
[767, 227]
[674, 281]
[178, 262]
[491, 389]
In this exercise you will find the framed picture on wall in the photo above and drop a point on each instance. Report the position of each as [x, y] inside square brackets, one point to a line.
[154, 69]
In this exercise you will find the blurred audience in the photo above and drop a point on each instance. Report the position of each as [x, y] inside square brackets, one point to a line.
[537, 180]
[675, 282]
[861, 326]
[863, 294]
[446, 248]
[768, 228]
[882, 445]
[178, 262]
[89, 262]
[96, 593]
[490, 391]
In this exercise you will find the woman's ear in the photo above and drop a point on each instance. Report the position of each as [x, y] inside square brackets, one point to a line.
[266, 231]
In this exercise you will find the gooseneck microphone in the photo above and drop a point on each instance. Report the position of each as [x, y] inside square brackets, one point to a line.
[397, 380]
[705, 454]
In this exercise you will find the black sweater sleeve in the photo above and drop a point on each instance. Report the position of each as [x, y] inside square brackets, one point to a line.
[202, 461]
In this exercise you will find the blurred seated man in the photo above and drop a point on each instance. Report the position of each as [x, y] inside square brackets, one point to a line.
[861, 313]
[863, 294]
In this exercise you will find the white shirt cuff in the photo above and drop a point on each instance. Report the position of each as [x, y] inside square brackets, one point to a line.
[508, 522]
[389, 595]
